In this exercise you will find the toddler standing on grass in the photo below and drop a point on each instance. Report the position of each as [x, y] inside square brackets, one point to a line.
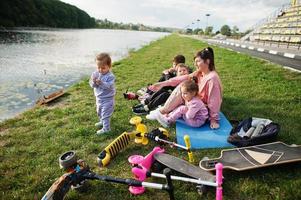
[103, 83]
[194, 112]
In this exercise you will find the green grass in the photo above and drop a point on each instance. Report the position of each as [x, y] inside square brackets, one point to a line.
[31, 143]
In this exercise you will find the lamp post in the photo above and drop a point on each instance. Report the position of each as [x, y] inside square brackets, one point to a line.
[198, 23]
[207, 15]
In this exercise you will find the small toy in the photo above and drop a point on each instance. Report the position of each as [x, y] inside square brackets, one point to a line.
[130, 95]
[77, 172]
[252, 157]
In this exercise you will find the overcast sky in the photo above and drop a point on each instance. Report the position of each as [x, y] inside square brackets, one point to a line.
[181, 13]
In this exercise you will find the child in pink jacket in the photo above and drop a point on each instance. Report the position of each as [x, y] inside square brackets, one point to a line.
[194, 111]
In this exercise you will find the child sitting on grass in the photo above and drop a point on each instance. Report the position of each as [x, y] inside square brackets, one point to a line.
[103, 83]
[194, 112]
[144, 93]
[159, 97]
[172, 72]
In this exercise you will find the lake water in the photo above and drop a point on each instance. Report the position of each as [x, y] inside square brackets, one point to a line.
[35, 63]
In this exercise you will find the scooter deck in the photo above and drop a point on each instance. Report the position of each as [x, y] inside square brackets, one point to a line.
[184, 167]
[253, 157]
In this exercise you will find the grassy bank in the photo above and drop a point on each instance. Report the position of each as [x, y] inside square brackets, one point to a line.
[31, 143]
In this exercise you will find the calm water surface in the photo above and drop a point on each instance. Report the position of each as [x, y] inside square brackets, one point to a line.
[36, 63]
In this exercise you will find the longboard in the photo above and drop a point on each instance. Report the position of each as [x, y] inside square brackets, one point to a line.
[253, 157]
[184, 167]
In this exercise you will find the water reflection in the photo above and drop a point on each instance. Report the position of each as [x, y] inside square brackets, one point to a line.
[36, 63]
[7, 37]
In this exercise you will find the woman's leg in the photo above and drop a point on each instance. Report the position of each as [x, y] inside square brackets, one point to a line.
[174, 100]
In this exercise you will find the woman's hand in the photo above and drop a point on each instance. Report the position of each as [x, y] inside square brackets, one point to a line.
[214, 125]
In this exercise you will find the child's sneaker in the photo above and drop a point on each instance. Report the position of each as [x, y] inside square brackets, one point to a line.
[142, 91]
[99, 124]
[102, 131]
[143, 97]
[140, 110]
[137, 106]
[162, 120]
[153, 114]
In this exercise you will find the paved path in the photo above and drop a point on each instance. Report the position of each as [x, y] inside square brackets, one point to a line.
[288, 58]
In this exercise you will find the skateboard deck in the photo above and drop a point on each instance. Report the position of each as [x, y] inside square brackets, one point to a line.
[184, 167]
[253, 157]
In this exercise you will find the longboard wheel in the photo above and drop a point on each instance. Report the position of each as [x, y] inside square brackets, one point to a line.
[157, 167]
[203, 159]
[67, 159]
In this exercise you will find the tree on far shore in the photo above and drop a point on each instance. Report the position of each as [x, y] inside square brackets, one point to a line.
[225, 30]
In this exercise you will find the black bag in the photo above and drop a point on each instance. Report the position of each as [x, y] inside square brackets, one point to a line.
[268, 134]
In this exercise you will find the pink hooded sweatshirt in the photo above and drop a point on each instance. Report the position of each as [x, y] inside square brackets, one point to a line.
[210, 91]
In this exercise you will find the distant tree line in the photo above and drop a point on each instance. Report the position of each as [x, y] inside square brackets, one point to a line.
[224, 30]
[57, 14]
[43, 13]
[107, 24]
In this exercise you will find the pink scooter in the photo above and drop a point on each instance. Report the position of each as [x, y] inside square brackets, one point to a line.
[142, 165]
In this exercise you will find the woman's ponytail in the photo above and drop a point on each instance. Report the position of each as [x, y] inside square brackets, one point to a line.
[205, 54]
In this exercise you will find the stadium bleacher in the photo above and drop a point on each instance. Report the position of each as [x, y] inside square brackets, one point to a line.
[283, 27]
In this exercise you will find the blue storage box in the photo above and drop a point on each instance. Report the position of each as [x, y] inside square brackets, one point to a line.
[204, 136]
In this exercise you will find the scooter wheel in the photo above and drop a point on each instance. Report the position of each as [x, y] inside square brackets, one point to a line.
[202, 189]
[67, 159]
